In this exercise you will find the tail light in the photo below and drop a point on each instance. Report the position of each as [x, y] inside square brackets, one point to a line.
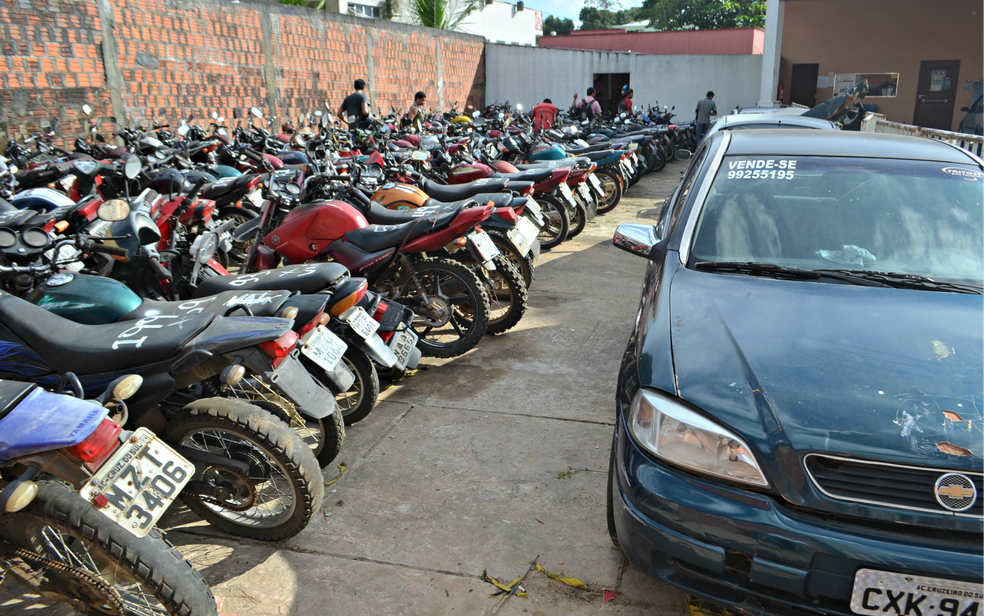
[210, 148]
[279, 349]
[254, 182]
[526, 192]
[380, 311]
[623, 157]
[350, 300]
[97, 446]
[508, 213]
[319, 319]
[88, 211]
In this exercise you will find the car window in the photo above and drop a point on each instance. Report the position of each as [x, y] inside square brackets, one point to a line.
[685, 185]
[901, 216]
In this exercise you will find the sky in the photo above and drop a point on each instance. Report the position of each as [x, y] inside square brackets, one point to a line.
[568, 8]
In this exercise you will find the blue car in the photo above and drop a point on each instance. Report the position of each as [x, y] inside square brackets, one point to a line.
[799, 408]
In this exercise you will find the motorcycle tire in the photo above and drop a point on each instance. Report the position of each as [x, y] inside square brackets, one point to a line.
[661, 160]
[558, 222]
[508, 296]
[650, 159]
[613, 190]
[360, 399]
[509, 251]
[146, 573]
[270, 446]
[578, 221]
[471, 309]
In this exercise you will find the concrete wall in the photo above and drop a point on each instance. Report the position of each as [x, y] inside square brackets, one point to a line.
[527, 76]
[685, 42]
[500, 22]
[885, 36]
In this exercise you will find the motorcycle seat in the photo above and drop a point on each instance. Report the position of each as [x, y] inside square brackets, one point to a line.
[591, 148]
[535, 175]
[599, 155]
[456, 192]
[306, 278]
[376, 238]
[260, 303]
[376, 214]
[225, 187]
[67, 346]
[497, 199]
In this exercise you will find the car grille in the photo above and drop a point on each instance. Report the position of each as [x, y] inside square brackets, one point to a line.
[888, 485]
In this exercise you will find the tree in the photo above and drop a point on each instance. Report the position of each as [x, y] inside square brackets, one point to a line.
[596, 19]
[707, 14]
[604, 5]
[441, 14]
[557, 25]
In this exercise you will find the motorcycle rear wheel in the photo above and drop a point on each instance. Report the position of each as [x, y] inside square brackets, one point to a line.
[558, 222]
[360, 399]
[283, 471]
[509, 251]
[147, 575]
[508, 297]
[612, 186]
[458, 313]
[578, 220]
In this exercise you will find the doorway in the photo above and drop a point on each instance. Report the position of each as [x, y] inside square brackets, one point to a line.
[936, 93]
[610, 87]
[803, 89]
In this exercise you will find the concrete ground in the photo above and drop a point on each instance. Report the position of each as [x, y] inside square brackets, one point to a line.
[478, 463]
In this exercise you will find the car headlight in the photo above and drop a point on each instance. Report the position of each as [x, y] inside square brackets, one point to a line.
[669, 430]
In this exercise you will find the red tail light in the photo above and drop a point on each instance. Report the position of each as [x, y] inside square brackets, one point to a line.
[350, 300]
[526, 192]
[254, 181]
[316, 321]
[624, 156]
[97, 446]
[508, 213]
[88, 211]
[279, 349]
[380, 311]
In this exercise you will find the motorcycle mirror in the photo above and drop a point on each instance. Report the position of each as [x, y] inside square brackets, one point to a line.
[127, 387]
[673, 107]
[215, 115]
[324, 121]
[256, 113]
[133, 167]
[113, 210]
[86, 109]
[293, 189]
[418, 155]
[100, 139]
[220, 120]
[223, 132]
[183, 130]
[318, 113]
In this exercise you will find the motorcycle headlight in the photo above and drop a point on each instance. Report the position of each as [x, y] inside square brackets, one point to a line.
[669, 430]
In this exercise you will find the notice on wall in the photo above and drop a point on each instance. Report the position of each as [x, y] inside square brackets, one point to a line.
[937, 79]
[844, 82]
[825, 81]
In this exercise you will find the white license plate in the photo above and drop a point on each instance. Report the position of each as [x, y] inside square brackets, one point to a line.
[323, 347]
[139, 481]
[361, 322]
[585, 192]
[566, 191]
[483, 243]
[535, 210]
[255, 197]
[897, 594]
[523, 235]
[402, 344]
[596, 185]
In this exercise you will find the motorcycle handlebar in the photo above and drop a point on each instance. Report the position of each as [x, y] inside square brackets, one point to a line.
[112, 251]
[159, 270]
[193, 193]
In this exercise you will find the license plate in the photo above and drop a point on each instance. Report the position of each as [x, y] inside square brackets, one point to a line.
[896, 594]
[255, 197]
[585, 192]
[534, 210]
[596, 185]
[361, 322]
[323, 347]
[402, 344]
[566, 191]
[483, 243]
[139, 482]
[523, 235]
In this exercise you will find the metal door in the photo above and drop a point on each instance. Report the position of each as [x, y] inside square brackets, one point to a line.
[936, 93]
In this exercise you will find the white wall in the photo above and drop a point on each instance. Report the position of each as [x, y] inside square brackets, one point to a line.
[528, 75]
[501, 22]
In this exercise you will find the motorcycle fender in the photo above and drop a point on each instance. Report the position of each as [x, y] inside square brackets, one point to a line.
[295, 383]
[591, 209]
[375, 348]
[340, 378]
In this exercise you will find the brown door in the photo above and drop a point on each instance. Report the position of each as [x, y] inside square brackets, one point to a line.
[803, 89]
[936, 93]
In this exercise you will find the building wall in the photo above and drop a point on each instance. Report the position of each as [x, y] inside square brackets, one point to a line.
[689, 42]
[884, 36]
[674, 80]
[175, 58]
[500, 22]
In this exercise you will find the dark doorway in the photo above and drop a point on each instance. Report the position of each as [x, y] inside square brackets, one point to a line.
[608, 90]
[936, 93]
[803, 89]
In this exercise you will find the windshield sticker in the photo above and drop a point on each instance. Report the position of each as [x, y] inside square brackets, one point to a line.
[971, 175]
[764, 169]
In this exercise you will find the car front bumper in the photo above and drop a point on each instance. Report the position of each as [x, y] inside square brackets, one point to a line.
[746, 552]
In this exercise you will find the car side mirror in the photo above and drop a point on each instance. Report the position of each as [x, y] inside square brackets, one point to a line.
[683, 154]
[635, 238]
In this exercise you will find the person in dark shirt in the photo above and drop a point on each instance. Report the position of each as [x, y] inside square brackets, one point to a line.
[355, 107]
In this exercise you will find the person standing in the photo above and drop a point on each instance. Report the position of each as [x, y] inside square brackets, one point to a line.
[706, 107]
[589, 107]
[416, 113]
[625, 105]
[355, 107]
[544, 115]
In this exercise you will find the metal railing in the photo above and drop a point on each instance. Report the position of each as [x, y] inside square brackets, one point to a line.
[876, 123]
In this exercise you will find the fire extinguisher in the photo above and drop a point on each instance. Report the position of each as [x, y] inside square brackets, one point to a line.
[782, 90]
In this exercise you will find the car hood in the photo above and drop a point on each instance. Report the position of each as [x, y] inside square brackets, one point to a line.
[872, 372]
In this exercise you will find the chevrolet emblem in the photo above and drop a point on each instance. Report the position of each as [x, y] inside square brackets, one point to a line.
[955, 492]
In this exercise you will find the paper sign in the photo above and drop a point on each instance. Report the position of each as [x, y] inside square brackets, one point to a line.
[825, 82]
[936, 82]
[844, 82]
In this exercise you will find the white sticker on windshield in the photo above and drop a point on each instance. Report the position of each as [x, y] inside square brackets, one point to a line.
[971, 175]
[762, 169]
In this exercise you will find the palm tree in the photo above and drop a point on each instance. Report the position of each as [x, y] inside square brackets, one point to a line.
[441, 14]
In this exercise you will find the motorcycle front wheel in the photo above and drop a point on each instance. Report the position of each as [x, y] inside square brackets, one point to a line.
[135, 575]
[283, 488]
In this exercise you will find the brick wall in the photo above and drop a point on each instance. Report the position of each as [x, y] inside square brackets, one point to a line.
[175, 58]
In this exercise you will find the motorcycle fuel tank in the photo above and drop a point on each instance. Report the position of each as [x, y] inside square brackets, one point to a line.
[306, 231]
[547, 152]
[468, 172]
[397, 196]
[92, 300]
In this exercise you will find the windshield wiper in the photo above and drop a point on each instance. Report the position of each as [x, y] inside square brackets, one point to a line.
[909, 281]
[771, 269]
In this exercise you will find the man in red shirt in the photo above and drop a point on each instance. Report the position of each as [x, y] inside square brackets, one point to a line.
[544, 115]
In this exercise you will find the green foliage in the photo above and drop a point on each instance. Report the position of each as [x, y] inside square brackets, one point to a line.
[555, 24]
[593, 18]
[441, 14]
[389, 8]
[604, 5]
[707, 14]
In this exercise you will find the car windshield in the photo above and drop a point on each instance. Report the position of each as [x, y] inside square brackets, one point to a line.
[909, 217]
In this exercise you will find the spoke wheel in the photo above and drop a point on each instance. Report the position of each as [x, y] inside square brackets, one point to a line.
[612, 188]
[558, 222]
[360, 399]
[508, 251]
